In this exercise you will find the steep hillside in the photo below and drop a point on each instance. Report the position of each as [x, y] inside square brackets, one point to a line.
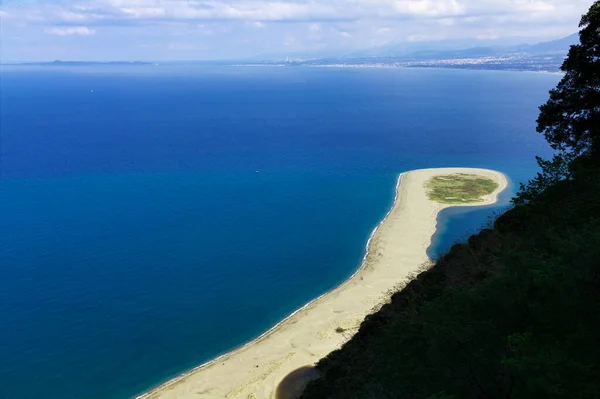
[513, 313]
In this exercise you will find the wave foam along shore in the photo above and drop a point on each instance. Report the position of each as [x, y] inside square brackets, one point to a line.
[395, 250]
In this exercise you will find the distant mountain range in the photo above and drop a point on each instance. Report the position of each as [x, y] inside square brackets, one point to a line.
[462, 49]
[545, 56]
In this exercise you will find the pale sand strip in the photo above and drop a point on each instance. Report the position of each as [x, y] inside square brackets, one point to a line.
[395, 251]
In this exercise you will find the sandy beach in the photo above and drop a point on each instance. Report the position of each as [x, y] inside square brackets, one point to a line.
[395, 251]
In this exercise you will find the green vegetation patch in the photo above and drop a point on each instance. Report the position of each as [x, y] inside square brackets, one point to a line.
[459, 188]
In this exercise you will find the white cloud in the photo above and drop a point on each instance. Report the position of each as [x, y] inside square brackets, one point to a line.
[144, 12]
[427, 8]
[224, 27]
[117, 12]
[256, 10]
[71, 31]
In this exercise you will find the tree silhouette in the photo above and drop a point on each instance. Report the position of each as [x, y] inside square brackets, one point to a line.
[570, 120]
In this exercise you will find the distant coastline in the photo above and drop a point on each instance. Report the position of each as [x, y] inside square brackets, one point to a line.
[395, 250]
[508, 65]
[545, 57]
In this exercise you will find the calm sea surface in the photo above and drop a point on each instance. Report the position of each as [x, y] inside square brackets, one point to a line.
[152, 218]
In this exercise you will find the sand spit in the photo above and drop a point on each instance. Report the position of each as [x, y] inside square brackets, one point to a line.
[395, 251]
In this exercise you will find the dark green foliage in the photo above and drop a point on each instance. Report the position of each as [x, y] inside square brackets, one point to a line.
[570, 119]
[559, 168]
[515, 313]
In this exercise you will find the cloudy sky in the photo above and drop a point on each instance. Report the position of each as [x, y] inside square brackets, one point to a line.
[215, 29]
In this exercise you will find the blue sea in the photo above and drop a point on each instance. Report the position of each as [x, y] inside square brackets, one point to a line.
[154, 217]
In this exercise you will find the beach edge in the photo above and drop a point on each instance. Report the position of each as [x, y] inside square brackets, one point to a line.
[490, 199]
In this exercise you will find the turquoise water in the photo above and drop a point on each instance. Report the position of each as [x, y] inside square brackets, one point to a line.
[174, 213]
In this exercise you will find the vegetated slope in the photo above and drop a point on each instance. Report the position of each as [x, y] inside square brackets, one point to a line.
[515, 313]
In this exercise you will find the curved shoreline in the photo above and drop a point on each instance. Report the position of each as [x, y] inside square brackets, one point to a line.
[181, 376]
[245, 372]
[442, 218]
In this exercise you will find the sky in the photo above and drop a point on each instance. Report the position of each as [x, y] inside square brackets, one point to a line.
[109, 30]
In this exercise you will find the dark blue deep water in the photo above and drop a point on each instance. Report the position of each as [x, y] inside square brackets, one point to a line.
[152, 218]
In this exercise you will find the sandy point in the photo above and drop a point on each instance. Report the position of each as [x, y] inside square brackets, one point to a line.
[395, 251]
